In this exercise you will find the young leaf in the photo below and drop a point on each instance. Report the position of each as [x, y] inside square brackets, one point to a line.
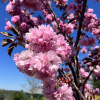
[6, 34]
[11, 47]
[7, 41]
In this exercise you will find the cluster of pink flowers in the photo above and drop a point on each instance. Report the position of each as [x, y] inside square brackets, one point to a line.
[43, 39]
[40, 65]
[24, 18]
[83, 73]
[13, 8]
[87, 42]
[92, 23]
[64, 92]
[46, 52]
[49, 17]
[31, 4]
[67, 28]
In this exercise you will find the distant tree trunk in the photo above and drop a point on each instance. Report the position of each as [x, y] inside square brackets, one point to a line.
[32, 85]
[32, 95]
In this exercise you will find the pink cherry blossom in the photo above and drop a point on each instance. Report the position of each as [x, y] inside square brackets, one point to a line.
[64, 92]
[15, 19]
[69, 28]
[49, 18]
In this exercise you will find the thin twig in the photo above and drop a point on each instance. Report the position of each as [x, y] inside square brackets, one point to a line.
[74, 86]
[87, 79]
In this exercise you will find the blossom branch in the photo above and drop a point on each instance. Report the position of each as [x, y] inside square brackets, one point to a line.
[55, 17]
[14, 28]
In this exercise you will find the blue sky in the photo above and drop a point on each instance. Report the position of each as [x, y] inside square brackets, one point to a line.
[10, 77]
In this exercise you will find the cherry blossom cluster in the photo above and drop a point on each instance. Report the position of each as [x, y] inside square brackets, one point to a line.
[87, 42]
[53, 93]
[44, 39]
[22, 17]
[45, 53]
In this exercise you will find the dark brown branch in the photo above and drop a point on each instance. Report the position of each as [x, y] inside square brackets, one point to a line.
[75, 78]
[76, 66]
[73, 72]
[80, 23]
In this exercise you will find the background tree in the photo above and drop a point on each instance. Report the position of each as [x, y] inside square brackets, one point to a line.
[32, 84]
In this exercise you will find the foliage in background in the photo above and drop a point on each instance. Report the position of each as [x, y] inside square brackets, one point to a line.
[18, 95]
[2, 94]
[43, 98]
[94, 82]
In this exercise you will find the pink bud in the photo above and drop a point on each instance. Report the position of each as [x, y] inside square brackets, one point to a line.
[8, 27]
[23, 24]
